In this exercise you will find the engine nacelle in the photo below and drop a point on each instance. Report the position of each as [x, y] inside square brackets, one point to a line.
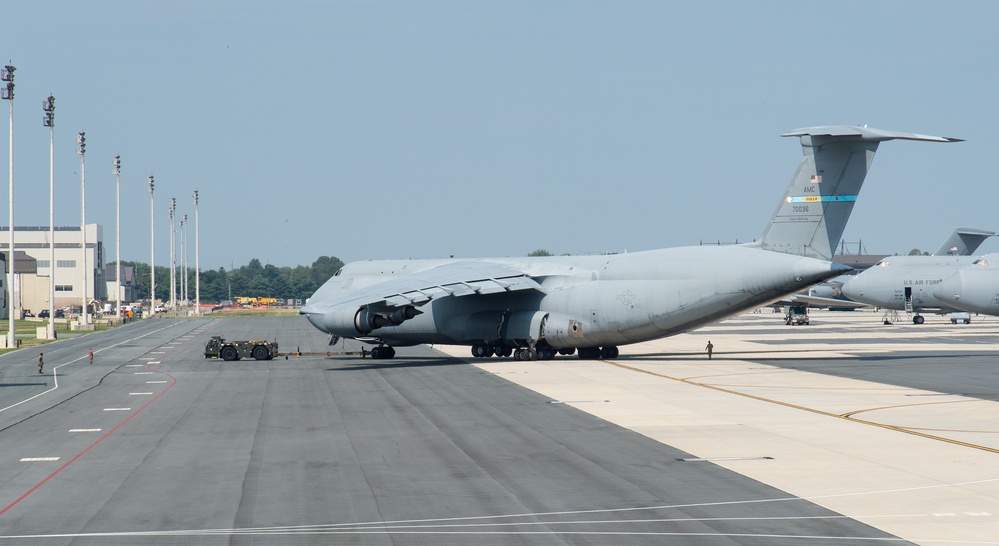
[351, 321]
[561, 331]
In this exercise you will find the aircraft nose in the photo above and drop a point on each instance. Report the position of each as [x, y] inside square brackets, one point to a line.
[854, 288]
[950, 289]
[315, 316]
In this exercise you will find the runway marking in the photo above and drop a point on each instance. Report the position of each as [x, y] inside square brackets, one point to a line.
[845, 417]
[39, 459]
[84, 430]
[143, 373]
[156, 381]
[139, 393]
[117, 409]
[135, 365]
[154, 362]
[99, 440]
[55, 375]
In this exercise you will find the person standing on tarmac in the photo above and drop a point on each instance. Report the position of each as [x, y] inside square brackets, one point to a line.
[709, 348]
[90, 353]
[41, 362]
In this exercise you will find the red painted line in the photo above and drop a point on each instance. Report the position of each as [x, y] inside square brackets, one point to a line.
[93, 445]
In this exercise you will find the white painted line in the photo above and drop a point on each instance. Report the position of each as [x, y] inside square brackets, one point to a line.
[157, 352]
[138, 393]
[117, 409]
[84, 430]
[134, 365]
[154, 362]
[38, 459]
[142, 373]
[155, 381]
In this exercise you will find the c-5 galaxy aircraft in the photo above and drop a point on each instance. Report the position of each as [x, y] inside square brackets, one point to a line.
[536, 307]
[962, 242]
[974, 288]
[909, 283]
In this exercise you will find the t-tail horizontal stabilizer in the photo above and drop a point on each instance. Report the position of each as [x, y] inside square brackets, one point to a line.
[810, 220]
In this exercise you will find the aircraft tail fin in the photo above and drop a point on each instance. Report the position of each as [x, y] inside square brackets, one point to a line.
[963, 242]
[810, 220]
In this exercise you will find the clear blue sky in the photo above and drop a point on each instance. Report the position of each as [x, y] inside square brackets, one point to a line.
[427, 129]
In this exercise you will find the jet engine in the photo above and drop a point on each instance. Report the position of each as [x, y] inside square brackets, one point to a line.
[351, 321]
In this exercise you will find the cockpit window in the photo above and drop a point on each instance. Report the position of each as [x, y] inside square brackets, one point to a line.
[883, 263]
[981, 261]
[338, 271]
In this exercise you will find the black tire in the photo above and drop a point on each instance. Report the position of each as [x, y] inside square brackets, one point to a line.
[229, 354]
[261, 353]
[918, 319]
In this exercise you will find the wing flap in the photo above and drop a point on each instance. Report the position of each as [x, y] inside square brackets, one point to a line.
[455, 279]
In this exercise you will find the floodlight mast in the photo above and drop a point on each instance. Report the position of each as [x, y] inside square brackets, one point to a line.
[173, 254]
[81, 150]
[197, 265]
[7, 93]
[181, 246]
[48, 106]
[117, 234]
[152, 252]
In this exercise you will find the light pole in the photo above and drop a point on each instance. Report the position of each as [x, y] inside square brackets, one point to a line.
[152, 253]
[183, 260]
[48, 106]
[197, 266]
[173, 255]
[7, 93]
[117, 234]
[182, 293]
[81, 150]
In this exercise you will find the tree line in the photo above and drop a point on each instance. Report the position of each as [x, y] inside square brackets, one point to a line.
[252, 280]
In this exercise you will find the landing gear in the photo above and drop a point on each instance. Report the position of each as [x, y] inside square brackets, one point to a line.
[482, 351]
[918, 319]
[382, 352]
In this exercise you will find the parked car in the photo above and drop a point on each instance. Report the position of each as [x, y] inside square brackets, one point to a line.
[44, 313]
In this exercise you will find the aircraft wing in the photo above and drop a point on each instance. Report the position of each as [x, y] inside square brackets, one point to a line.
[817, 301]
[455, 279]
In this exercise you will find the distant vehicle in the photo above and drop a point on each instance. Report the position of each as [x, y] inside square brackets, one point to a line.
[44, 313]
[27, 313]
[796, 315]
[962, 317]
[159, 309]
[218, 347]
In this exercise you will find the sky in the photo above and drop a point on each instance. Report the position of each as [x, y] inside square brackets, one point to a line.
[383, 129]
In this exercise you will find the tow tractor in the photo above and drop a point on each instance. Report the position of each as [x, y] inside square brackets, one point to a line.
[218, 347]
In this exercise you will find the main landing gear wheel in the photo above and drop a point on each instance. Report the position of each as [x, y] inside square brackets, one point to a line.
[482, 351]
[918, 319]
[382, 352]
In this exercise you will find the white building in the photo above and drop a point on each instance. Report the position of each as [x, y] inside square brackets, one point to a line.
[32, 290]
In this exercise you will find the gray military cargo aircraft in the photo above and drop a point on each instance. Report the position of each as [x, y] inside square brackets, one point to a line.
[537, 307]
[961, 242]
[974, 288]
[910, 283]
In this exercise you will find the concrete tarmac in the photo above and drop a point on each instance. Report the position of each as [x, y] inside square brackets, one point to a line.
[893, 425]
[153, 444]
